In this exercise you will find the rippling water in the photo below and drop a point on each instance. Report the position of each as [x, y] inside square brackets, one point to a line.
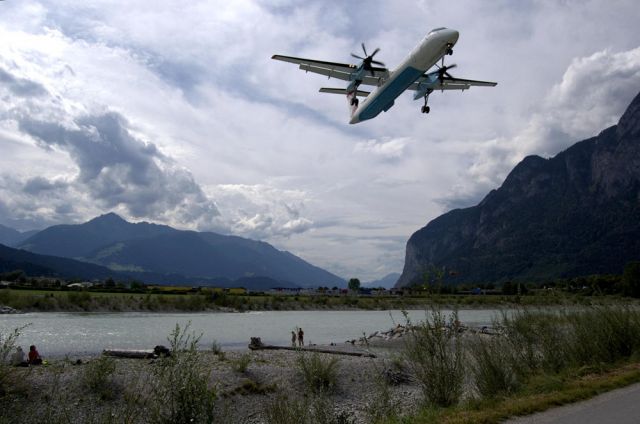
[57, 334]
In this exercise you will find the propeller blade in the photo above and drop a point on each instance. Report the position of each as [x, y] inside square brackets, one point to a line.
[364, 50]
[375, 51]
[451, 66]
[377, 63]
[356, 56]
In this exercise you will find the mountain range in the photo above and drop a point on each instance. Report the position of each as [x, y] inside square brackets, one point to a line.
[10, 237]
[159, 253]
[577, 213]
[387, 282]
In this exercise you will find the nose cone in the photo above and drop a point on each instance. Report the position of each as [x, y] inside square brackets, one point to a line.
[452, 36]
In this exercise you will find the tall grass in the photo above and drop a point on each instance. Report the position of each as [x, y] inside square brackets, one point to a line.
[182, 394]
[533, 343]
[320, 373]
[97, 377]
[8, 344]
[314, 409]
[434, 354]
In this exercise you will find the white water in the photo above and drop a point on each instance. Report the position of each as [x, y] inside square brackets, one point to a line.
[58, 334]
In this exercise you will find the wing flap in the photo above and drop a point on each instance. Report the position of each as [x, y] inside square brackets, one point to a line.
[331, 73]
[343, 91]
[471, 83]
[344, 67]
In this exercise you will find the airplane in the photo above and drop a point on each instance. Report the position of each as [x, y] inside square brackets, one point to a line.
[410, 75]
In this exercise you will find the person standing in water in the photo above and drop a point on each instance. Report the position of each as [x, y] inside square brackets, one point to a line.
[300, 337]
[293, 338]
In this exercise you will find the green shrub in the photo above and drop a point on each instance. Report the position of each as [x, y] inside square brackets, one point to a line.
[434, 354]
[283, 410]
[536, 340]
[314, 409]
[241, 363]
[604, 334]
[182, 394]
[97, 377]
[320, 373]
[7, 347]
[491, 367]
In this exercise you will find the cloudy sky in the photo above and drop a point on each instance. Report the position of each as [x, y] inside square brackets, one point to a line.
[173, 112]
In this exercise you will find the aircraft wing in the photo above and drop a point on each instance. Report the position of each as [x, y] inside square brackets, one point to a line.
[343, 71]
[433, 82]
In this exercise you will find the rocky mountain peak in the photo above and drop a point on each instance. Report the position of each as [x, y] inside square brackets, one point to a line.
[629, 124]
[577, 213]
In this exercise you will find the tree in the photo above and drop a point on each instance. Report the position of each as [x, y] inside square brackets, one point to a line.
[631, 279]
[354, 284]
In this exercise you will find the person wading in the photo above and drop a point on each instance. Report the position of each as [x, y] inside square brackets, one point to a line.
[300, 337]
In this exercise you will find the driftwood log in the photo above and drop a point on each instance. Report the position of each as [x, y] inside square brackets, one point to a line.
[256, 344]
[124, 353]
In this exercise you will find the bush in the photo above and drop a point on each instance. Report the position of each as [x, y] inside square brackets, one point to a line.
[320, 373]
[7, 347]
[316, 409]
[242, 363]
[491, 367]
[433, 352]
[282, 410]
[182, 394]
[97, 377]
[604, 335]
[535, 340]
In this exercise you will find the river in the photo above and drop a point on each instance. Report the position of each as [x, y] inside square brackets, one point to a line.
[59, 334]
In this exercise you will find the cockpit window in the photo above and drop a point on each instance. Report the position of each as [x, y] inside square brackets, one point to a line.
[435, 30]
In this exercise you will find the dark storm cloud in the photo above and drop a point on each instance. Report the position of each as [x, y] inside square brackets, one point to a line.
[38, 185]
[119, 169]
[21, 87]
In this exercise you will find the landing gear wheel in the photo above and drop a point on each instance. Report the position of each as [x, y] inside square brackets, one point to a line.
[354, 102]
[449, 51]
[425, 109]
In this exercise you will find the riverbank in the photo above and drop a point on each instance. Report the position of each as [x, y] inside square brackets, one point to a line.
[251, 386]
[424, 373]
[246, 383]
[93, 301]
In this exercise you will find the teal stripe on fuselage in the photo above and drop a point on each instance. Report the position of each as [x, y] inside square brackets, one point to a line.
[399, 84]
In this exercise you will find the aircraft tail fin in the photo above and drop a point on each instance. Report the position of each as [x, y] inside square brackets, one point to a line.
[352, 96]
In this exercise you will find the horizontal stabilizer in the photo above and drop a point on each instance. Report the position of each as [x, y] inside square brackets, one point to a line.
[343, 91]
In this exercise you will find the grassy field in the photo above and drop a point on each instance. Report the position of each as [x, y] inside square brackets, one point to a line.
[170, 300]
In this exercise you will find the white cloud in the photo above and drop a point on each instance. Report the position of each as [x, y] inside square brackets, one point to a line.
[209, 122]
[386, 149]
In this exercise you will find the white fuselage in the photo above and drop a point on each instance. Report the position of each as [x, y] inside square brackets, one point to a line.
[422, 58]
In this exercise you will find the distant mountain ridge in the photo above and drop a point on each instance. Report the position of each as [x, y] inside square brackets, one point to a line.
[387, 282]
[577, 213]
[141, 248]
[11, 237]
[49, 266]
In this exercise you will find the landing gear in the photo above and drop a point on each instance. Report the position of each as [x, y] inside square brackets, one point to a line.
[425, 108]
[355, 102]
[449, 50]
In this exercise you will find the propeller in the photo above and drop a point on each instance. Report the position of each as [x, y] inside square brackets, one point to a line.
[368, 59]
[442, 71]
